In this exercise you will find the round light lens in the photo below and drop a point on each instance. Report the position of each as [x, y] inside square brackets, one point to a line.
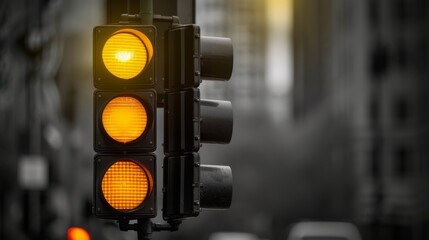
[125, 185]
[124, 55]
[124, 119]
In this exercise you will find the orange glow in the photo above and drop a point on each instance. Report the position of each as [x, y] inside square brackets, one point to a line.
[76, 233]
[126, 53]
[124, 119]
[126, 185]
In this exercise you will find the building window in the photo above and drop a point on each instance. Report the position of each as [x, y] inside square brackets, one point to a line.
[379, 60]
[400, 111]
[421, 10]
[374, 12]
[401, 166]
[402, 55]
[399, 11]
[373, 111]
[421, 54]
[375, 161]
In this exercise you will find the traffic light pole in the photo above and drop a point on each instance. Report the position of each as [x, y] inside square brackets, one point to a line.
[146, 11]
[145, 227]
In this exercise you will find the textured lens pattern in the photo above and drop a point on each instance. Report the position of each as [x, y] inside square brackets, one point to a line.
[124, 119]
[125, 185]
[124, 55]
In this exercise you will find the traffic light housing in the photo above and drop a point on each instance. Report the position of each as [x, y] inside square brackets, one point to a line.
[189, 121]
[124, 122]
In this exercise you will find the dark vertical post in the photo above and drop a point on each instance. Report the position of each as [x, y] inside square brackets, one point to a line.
[146, 12]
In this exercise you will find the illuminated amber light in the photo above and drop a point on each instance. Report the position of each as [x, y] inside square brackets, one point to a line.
[124, 56]
[76, 233]
[125, 185]
[124, 119]
[126, 53]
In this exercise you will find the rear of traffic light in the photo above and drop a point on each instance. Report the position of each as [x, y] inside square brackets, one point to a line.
[189, 121]
[124, 122]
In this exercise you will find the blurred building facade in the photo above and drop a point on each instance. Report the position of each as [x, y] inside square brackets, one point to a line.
[249, 41]
[45, 73]
[367, 63]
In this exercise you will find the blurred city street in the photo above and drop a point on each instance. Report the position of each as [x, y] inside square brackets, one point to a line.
[330, 119]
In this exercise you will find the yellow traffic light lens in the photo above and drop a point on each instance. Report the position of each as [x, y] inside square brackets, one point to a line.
[124, 119]
[125, 185]
[125, 55]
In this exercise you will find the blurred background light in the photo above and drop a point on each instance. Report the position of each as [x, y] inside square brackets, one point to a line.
[76, 233]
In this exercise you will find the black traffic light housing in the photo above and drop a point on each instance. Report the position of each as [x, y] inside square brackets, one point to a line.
[189, 121]
[118, 51]
[190, 186]
[181, 186]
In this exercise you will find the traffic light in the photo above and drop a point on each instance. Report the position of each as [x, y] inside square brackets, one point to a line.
[189, 121]
[124, 122]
